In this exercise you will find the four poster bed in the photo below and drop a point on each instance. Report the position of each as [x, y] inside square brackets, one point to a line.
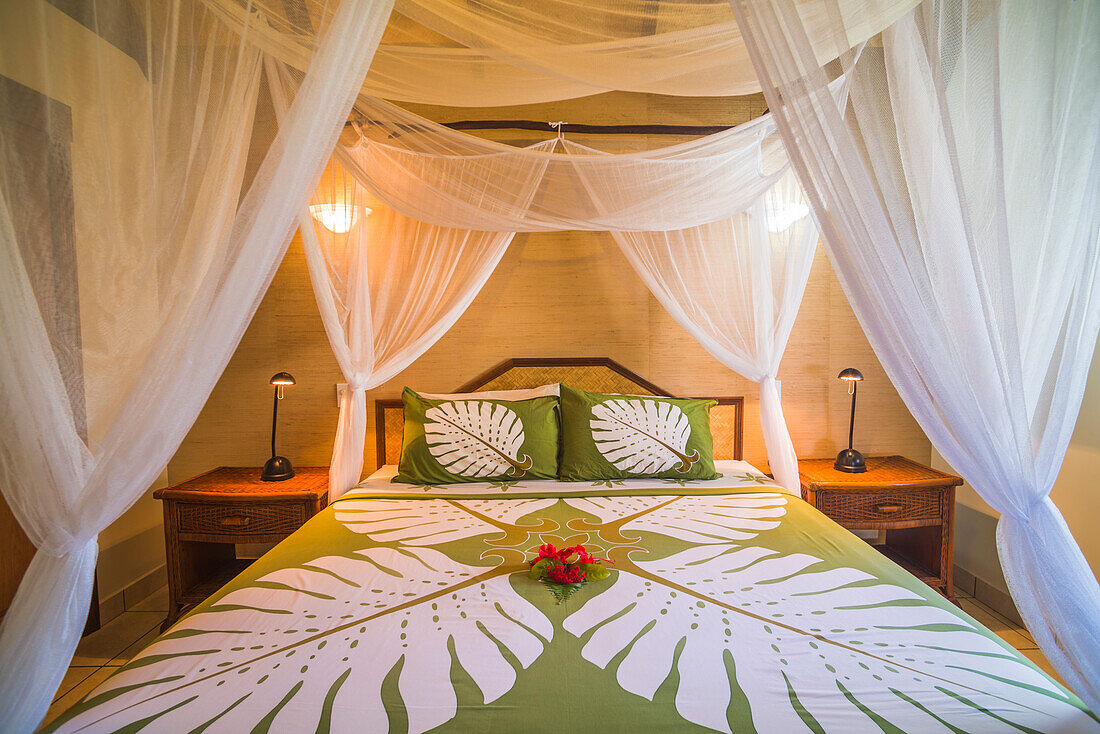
[732, 606]
[156, 158]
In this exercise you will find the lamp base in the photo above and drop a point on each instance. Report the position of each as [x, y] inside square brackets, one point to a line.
[277, 469]
[851, 461]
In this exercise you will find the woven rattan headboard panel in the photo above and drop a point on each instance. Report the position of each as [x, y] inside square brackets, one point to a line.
[597, 374]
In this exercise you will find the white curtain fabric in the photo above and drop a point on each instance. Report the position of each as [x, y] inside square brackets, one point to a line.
[727, 248]
[510, 52]
[387, 288]
[959, 200]
[146, 198]
[736, 285]
[446, 177]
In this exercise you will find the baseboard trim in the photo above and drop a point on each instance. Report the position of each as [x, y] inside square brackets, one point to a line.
[963, 581]
[121, 601]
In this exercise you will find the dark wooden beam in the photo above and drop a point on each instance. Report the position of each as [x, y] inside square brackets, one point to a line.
[571, 127]
[580, 128]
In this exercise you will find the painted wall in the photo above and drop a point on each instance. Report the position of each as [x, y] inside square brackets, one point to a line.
[1075, 492]
[131, 548]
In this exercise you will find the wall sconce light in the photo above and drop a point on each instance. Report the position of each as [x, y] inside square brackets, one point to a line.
[337, 218]
[277, 467]
[849, 460]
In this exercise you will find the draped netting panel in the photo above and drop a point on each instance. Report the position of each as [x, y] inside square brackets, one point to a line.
[512, 52]
[960, 201]
[438, 175]
[146, 198]
[736, 285]
[727, 250]
[388, 287]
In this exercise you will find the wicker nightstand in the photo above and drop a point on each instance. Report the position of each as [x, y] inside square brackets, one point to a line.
[914, 504]
[206, 516]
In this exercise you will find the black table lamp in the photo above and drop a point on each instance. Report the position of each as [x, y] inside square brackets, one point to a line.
[277, 468]
[850, 460]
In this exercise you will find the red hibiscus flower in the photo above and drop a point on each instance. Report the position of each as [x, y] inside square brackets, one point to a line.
[545, 551]
[563, 574]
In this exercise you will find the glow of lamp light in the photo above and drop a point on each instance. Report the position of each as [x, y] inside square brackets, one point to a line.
[783, 214]
[337, 218]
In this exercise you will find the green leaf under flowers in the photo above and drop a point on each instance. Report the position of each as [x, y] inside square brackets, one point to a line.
[594, 571]
[538, 571]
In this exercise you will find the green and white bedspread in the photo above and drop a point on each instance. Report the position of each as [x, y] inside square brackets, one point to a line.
[732, 606]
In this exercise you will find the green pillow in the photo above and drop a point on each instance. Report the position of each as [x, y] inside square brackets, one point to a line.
[632, 436]
[468, 440]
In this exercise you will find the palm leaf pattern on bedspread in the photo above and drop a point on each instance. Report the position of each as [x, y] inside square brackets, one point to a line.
[713, 619]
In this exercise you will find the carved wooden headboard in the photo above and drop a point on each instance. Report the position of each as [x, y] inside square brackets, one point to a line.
[596, 374]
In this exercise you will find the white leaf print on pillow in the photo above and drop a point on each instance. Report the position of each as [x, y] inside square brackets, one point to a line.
[475, 438]
[643, 436]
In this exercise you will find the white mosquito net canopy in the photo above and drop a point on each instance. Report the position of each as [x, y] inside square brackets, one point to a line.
[156, 158]
[510, 52]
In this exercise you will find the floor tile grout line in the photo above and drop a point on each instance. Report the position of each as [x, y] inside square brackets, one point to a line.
[1008, 622]
[998, 616]
[993, 611]
[85, 680]
[59, 696]
[96, 668]
[54, 702]
[123, 650]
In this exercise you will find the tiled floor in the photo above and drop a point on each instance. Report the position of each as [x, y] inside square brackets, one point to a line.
[101, 653]
[104, 651]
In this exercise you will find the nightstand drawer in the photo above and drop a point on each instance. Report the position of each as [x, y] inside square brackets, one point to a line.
[252, 519]
[849, 508]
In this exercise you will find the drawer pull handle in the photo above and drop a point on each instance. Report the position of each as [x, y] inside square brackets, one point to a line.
[236, 521]
[888, 509]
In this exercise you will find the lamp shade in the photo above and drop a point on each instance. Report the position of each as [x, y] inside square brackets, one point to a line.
[851, 374]
[337, 218]
[282, 378]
